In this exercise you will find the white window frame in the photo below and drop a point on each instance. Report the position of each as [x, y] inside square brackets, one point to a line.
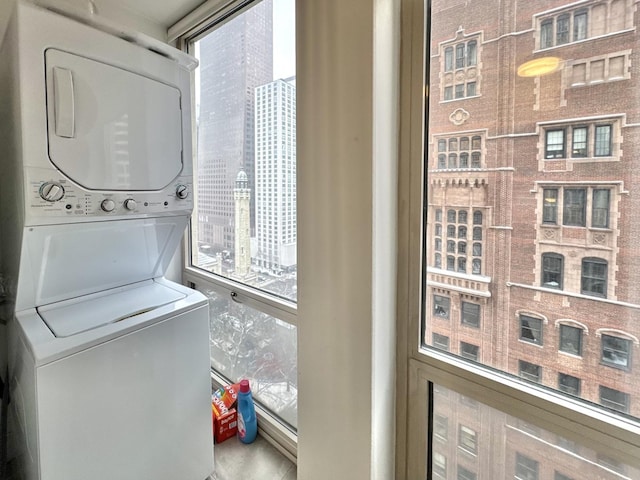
[588, 425]
[193, 27]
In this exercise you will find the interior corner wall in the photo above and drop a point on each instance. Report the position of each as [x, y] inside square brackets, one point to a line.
[346, 140]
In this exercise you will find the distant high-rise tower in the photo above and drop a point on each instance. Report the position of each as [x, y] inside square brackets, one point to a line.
[235, 59]
[276, 175]
[242, 200]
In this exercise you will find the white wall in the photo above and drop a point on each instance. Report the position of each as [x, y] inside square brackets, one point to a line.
[346, 174]
[107, 9]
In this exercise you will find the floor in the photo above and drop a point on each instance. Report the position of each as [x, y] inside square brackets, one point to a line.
[237, 461]
[256, 461]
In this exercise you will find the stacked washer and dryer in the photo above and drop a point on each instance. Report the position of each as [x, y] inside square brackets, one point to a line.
[108, 361]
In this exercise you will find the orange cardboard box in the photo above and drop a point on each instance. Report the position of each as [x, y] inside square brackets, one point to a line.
[225, 426]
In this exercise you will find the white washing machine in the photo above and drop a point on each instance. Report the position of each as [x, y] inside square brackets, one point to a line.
[109, 362]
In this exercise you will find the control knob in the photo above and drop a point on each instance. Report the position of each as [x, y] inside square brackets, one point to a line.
[182, 192]
[108, 205]
[130, 204]
[51, 191]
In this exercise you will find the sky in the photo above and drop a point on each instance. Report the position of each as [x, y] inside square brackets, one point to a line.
[284, 38]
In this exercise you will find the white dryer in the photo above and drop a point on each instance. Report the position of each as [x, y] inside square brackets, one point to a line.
[109, 362]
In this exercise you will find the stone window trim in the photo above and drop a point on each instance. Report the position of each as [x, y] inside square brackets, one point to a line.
[598, 215]
[462, 151]
[572, 323]
[556, 140]
[579, 21]
[612, 332]
[460, 67]
[610, 67]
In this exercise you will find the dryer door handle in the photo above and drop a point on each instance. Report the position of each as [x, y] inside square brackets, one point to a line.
[64, 102]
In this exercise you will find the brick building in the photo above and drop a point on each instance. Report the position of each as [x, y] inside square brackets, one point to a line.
[532, 239]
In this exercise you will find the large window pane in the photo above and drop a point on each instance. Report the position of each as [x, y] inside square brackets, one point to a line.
[494, 445]
[548, 292]
[247, 343]
[244, 223]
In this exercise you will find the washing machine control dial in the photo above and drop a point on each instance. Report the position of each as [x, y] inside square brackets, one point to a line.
[108, 205]
[130, 204]
[51, 191]
[182, 192]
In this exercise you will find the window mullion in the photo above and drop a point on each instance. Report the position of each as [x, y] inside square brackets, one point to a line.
[557, 413]
[278, 308]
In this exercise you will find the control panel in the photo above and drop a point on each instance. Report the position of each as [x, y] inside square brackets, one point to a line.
[58, 197]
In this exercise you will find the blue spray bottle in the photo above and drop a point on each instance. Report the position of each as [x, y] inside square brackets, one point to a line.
[247, 422]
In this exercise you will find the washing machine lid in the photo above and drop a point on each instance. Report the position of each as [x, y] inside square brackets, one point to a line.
[109, 128]
[78, 315]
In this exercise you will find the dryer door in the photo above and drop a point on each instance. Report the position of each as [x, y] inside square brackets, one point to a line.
[111, 129]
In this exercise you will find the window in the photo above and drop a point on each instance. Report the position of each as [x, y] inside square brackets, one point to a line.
[577, 24]
[560, 476]
[441, 341]
[594, 277]
[550, 205]
[448, 59]
[552, 266]
[554, 190]
[580, 25]
[576, 139]
[451, 216]
[554, 145]
[464, 474]
[603, 141]
[526, 468]
[468, 351]
[471, 89]
[242, 108]
[470, 313]
[441, 306]
[573, 204]
[460, 55]
[614, 399]
[531, 329]
[546, 34]
[467, 439]
[472, 53]
[476, 267]
[570, 340]
[574, 213]
[530, 371]
[600, 210]
[439, 464]
[462, 265]
[579, 143]
[562, 29]
[440, 426]
[451, 263]
[448, 93]
[466, 76]
[569, 384]
[616, 351]
[461, 159]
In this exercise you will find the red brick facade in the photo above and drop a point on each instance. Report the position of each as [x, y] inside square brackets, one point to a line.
[572, 134]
